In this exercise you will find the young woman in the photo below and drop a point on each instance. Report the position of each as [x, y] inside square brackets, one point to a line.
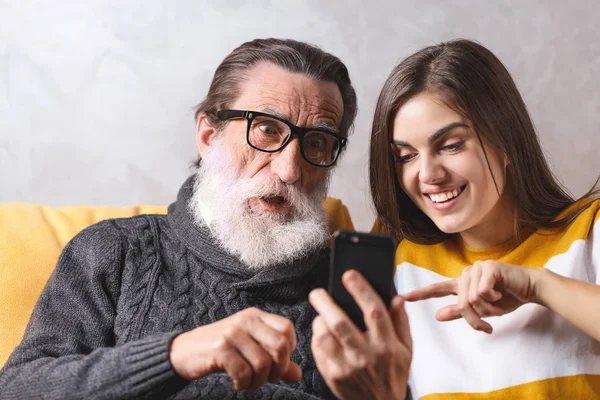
[457, 172]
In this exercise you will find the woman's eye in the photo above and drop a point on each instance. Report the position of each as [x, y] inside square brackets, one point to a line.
[406, 158]
[453, 146]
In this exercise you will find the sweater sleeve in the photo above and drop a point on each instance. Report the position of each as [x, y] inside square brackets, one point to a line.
[68, 350]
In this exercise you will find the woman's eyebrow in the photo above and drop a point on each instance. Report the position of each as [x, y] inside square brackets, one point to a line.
[436, 136]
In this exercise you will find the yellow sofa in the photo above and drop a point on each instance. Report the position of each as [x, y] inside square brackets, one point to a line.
[31, 239]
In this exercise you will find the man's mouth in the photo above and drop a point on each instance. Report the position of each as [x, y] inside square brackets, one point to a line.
[274, 200]
[443, 197]
[272, 204]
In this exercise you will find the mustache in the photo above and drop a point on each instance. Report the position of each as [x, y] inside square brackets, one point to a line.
[271, 188]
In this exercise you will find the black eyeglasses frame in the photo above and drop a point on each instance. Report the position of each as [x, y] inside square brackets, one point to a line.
[225, 115]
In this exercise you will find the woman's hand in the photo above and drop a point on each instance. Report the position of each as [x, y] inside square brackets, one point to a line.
[362, 365]
[485, 289]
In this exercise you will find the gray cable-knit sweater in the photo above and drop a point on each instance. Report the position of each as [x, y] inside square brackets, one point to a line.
[124, 288]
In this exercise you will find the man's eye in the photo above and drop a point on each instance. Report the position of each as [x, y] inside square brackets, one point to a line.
[317, 143]
[268, 129]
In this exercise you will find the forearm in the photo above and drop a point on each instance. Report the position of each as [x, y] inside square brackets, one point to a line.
[576, 301]
[138, 369]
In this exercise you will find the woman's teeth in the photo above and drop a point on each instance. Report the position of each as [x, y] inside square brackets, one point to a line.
[441, 197]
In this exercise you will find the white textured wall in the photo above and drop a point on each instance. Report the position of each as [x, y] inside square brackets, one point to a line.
[96, 96]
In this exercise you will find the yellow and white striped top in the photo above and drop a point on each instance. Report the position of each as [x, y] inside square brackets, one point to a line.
[533, 353]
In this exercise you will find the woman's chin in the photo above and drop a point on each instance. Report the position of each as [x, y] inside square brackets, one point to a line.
[450, 227]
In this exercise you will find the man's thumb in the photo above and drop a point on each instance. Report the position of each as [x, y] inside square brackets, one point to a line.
[293, 374]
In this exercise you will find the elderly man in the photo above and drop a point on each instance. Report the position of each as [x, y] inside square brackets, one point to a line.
[212, 299]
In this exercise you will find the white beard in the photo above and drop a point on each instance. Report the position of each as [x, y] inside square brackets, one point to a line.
[262, 240]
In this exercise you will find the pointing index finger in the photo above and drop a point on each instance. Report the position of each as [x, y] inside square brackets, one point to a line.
[440, 289]
[282, 325]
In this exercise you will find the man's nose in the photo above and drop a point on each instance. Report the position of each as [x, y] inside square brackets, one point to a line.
[287, 163]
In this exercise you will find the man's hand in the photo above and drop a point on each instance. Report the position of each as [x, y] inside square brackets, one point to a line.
[251, 346]
[357, 365]
[485, 289]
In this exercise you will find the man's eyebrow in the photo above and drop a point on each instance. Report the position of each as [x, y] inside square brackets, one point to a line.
[327, 126]
[272, 111]
[318, 125]
[436, 136]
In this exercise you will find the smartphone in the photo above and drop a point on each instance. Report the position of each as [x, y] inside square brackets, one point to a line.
[370, 254]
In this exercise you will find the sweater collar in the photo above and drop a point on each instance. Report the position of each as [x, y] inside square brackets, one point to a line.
[275, 282]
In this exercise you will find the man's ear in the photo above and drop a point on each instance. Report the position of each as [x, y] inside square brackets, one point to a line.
[205, 134]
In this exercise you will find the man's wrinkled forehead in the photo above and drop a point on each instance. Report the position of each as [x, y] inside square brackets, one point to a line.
[293, 96]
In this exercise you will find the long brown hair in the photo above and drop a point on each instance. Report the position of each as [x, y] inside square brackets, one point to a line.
[476, 85]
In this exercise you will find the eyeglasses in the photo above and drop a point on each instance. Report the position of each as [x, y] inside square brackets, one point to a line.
[268, 133]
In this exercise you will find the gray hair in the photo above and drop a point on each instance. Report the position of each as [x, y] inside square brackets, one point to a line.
[291, 55]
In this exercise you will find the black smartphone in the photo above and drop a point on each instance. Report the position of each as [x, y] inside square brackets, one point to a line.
[370, 254]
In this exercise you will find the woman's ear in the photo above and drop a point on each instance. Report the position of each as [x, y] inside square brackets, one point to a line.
[205, 133]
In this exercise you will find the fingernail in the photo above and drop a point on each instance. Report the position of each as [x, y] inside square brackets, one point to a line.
[351, 276]
[397, 301]
[316, 294]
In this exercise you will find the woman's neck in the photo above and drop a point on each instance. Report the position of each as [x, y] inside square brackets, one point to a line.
[497, 227]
